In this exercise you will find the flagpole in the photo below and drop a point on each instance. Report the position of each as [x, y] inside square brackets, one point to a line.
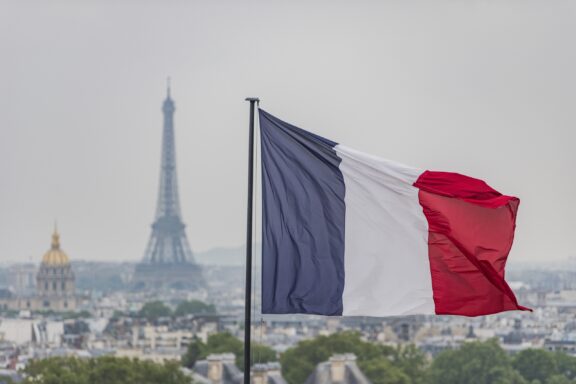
[248, 292]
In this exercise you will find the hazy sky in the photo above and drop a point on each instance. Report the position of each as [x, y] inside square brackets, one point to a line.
[485, 88]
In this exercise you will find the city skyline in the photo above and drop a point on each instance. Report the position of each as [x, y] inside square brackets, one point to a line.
[482, 88]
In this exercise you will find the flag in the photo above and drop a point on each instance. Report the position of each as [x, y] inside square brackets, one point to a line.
[347, 233]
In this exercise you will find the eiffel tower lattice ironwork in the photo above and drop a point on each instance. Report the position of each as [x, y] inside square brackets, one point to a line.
[168, 260]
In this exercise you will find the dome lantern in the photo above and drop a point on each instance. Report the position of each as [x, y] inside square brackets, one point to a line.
[55, 256]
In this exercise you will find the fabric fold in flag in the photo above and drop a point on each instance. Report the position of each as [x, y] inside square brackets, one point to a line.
[346, 233]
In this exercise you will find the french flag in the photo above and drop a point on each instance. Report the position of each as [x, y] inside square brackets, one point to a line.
[347, 233]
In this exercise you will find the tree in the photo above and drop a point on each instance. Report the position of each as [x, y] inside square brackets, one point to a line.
[535, 364]
[193, 307]
[376, 361]
[505, 375]
[259, 354]
[382, 371]
[6, 380]
[196, 351]
[226, 343]
[475, 362]
[108, 369]
[154, 310]
[57, 370]
[559, 379]
[565, 365]
[413, 362]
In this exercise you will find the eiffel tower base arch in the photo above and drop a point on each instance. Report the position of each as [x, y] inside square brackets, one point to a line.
[163, 276]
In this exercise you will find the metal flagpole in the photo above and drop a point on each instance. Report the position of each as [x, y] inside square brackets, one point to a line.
[248, 292]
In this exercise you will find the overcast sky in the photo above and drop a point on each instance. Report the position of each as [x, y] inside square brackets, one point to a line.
[484, 88]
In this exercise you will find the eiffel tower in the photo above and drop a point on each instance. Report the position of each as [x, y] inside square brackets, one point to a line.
[168, 260]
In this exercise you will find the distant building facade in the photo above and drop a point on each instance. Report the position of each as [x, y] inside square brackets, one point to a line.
[222, 369]
[55, 284]
[22, 279]
[340, 369]
[219, 369]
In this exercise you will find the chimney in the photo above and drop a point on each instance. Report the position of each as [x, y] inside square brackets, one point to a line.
[259, 374]
[262, 372]
[216, 366]
[274, 368]
[337, 368]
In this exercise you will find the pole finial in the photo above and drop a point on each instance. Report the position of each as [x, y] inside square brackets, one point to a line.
[253, 100]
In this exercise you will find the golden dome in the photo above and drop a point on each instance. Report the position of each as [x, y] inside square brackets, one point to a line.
[55, 257]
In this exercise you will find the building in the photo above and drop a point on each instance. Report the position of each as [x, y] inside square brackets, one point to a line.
[340, 369]
[22, 278]
[269, 373]
[221, 369]
[55, 284]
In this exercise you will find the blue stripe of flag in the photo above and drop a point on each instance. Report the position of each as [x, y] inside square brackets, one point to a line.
[303, 221]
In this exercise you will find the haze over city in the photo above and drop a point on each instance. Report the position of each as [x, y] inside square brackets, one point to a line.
[485, 88]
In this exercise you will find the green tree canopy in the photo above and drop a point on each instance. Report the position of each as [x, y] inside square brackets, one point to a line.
[154, 310]
[474, 362]
[565, 365]
[193, 307]
[559, 379]
[196, 351]
[383, 371]
[535, 364]
[381, 364]
[6, 380]
[413, 362]
[108, 369]
[259, 354]
[226, 343]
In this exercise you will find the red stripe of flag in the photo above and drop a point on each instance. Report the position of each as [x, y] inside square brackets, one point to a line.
[471, 230]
